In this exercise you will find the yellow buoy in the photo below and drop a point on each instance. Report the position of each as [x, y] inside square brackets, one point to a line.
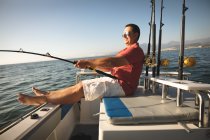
[164, 62]
[189, 61]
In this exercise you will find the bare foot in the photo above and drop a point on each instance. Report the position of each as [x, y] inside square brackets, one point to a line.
[38, 92]
[30, 100]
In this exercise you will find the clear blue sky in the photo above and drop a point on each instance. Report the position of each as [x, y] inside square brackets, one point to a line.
[80, 28]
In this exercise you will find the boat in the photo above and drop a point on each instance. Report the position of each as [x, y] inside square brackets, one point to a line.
[151, 113]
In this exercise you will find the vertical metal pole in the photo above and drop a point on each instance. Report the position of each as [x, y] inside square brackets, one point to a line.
[181, 55]
[164, 91]
[160, 39]
[179, 97]
[148, 47]
[153, 31]
[153, 38]
[146, 81]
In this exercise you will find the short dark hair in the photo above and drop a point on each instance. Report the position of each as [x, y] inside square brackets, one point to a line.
[135, 28]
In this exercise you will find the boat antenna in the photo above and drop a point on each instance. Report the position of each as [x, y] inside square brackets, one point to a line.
[153, 31]
[160, 39]
[181, 53]
[50, 56]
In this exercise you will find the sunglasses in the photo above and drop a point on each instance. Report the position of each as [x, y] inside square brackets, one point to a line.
[126, 34]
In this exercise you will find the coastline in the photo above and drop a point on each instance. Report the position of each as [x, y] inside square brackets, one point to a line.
[186, 48]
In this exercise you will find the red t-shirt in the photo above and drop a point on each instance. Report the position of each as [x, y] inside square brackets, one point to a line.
[128, 75]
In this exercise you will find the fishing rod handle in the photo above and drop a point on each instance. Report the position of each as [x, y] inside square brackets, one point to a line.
[98, 71]
[103, 73]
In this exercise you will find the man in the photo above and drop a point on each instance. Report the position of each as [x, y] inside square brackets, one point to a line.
[126, 66]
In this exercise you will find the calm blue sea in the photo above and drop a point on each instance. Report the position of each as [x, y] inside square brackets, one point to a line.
[51, 75]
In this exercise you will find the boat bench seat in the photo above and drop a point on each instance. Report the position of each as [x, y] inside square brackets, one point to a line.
[146, 109]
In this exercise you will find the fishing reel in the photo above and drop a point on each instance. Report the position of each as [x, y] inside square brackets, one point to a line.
[189, 61]
[150, 61]
[164, 62]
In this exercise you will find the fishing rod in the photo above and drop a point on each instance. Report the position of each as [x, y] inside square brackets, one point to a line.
[50, 56]
[153, 31]
[160, 39]
[181, 53]
[149, 45]
[147, 58]
[180, 97]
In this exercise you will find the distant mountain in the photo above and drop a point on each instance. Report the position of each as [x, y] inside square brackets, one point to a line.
[172, 45]
[204, 42]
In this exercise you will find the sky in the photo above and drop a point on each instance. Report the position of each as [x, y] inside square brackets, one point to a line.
[83, 28]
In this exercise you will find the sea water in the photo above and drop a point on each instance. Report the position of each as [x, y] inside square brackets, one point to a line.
[52, 75]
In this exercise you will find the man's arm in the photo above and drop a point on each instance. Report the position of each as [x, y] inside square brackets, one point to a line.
[103, 63]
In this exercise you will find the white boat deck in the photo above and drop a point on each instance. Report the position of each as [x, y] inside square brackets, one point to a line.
[108, 131]
[181, 84]
[172, 131]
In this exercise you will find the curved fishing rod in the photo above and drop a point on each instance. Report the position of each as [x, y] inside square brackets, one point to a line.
[46, 55]
[50, 56]
[160, 39]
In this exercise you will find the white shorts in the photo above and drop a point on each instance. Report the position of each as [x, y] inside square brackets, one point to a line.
[101, 87]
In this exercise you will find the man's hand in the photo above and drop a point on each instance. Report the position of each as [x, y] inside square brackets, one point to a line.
[82, 64]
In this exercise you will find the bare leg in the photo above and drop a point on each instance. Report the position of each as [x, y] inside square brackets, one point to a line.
[30, 100]
[68, 95]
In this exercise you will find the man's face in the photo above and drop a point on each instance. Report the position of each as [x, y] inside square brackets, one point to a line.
[129, 36]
